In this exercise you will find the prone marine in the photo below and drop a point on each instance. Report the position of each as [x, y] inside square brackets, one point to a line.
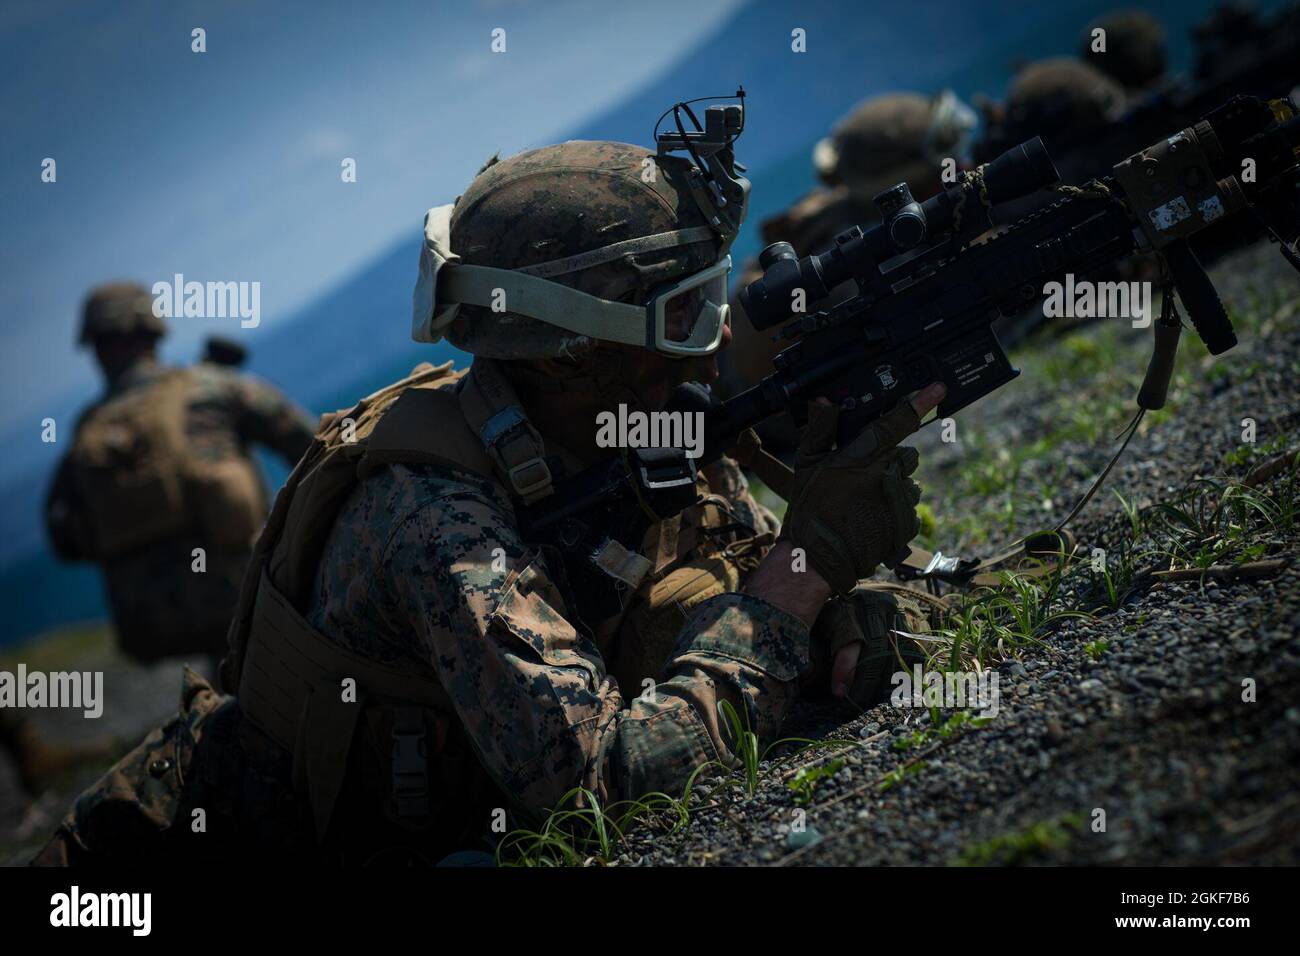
[405, 662]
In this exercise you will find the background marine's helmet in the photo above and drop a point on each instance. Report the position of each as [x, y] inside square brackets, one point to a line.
[119, 308]
[1060, 96]
[1135, 54]
[896, 137]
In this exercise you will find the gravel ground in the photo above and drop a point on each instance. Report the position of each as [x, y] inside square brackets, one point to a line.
[1155, 734]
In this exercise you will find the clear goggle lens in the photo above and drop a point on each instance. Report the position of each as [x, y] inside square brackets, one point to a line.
[689, 316]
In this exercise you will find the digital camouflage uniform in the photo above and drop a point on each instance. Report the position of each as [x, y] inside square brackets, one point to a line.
[410, 576]
[159, 605]
[534, 693]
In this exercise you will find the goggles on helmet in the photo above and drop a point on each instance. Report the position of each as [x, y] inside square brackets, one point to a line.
[687, 317]
[682, 319]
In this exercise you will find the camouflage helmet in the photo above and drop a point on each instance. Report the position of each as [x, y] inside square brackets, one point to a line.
[892, 138]
[119, 308]
[557, 203]
[1060, 94]
[1135, 48]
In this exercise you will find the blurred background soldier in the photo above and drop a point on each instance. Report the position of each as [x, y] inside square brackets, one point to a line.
[1060, 99]
[896, 137]
[159, 488]
[1134, 55]
[887, 139]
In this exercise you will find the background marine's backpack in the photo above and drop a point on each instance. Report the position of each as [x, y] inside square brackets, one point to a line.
[129, 461]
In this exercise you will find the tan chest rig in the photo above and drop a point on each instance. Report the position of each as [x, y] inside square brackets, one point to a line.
[288, 676]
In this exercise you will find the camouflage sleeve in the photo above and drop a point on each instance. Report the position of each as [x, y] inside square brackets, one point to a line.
[726, 478]
[269, 418]
[531, 687]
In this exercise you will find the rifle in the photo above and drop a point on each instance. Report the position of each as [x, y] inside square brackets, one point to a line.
[929, 286]
[1236, 50]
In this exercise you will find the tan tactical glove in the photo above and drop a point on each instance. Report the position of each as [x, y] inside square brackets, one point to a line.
[869, 616]
[855, 507]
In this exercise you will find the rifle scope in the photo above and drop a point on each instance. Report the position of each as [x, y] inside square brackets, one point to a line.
[905, 224]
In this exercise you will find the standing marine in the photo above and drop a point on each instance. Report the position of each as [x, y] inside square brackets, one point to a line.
[159, 487]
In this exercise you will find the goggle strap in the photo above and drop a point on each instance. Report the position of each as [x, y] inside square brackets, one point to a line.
[545, 301]
[596, 257]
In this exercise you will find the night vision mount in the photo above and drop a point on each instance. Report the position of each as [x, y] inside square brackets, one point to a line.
[715, 178]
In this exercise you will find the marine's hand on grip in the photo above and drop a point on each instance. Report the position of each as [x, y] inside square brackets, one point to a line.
[853, 508]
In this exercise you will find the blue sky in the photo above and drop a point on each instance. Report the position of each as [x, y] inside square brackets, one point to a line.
[225, 165]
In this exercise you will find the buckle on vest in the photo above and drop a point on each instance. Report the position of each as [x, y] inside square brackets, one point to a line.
[530, 477]
[663, 479]
[410, 765]
[525, 487]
